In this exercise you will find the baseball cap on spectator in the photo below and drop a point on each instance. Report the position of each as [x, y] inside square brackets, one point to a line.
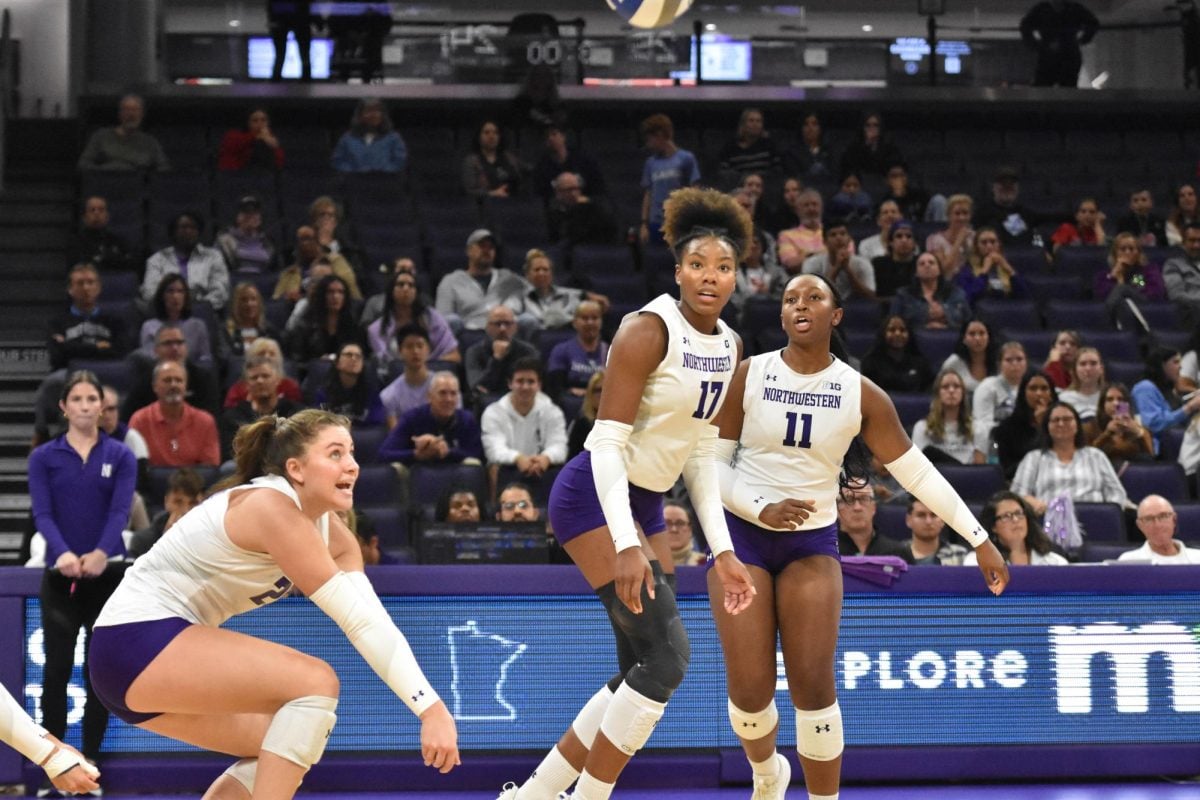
[478, 235]
[1006, 175]
[249, 203]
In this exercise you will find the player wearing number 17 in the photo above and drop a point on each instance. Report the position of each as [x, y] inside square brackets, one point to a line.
[668, 369]
[795, 413]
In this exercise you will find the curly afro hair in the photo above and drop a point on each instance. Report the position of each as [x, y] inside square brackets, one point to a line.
[709, 210]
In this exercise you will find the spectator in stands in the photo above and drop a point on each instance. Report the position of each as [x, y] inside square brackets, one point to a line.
[81, 487]
[1157, 398]
[559, 157]
[245, 245]
[1060, 362]
[368, 541]
[1157, 521]
[402, 307]
[96, 244]
[465, 296]
[1087, 229]
[996, 395]
[806, 239]
[812, 158]
[173, 304]
[751, 150]
[373, 307]
[576, 218]
[947, 435]
[252, 148]
[926, 543]
[537, 103]
[850, 202]
[177, 433]
[1147, 227]
[680, 538]
[1186, 212]
[371, 144]
[987, 273]
[897, 267]
[410, 388]
[127, 146]
[976, 354]
[1015, 222]
[295, 279]
[288, 387]
[914, 201]
[112, 424]
[294, 16]
[759, 273]
[327, 220]
[572, 363]
[582, 425]
[247, 321]
[490, 169]
[786, 214]
[1130, 277]
[545, 305]
[667, 168]
[1022, 431]
[1181, 276]
[170, 344]
[439, 432]
[328, 323]
[886, 213]
[203, 267]
[894, 361]
[489, 361]
[457, 504]
[1056, 29]
[1086, 383]
[262, 378]
[317, 272]
[851, 275]
[1017, 532]
[524, 428]
[350, 389]
[953, 244]
[515, 504]
[871, 153]
[930, 301]
[856, 525]
[185, 490]
[1114, 428]
[84, 330]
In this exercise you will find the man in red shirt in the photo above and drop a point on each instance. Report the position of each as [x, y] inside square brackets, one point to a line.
[176, 433]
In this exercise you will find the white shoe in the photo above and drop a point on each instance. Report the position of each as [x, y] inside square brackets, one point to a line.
[773, 787]
[508, 791]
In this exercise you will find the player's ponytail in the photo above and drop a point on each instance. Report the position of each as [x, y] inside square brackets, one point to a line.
[264, 446]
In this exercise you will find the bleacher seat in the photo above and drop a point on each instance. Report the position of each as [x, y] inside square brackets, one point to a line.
[889, 520]
[857, 342]
[1037, 343]
[911, 407]
[1095, 553]
[114, 186]
[111, 371]
[1076, 314]
[973, 482]
[857, 313]
[1082, 261]
[1141, 478]
[936, 345]
[1102, 522]
[391, 526]
[597, 259]
[1042, 284]
[378, 485]
[367, 439]
[1187, 524]
[118, 286]
[620, 287]
[549, 338]
[1009, 313]
[1121, 371]
[1169, 442]
[1117, 345]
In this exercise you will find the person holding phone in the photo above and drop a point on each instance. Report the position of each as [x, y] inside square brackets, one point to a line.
[1115, 430]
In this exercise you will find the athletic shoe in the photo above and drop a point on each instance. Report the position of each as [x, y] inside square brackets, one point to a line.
[773, 787]
[508, 791]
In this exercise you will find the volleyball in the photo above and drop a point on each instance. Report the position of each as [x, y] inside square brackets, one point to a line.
[649, 13]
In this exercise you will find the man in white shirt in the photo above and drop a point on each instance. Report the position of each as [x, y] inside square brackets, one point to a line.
[524, 427]
[1156, 520]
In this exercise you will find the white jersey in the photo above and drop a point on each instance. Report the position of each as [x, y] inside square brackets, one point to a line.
[195, 572]
[682, 395]
[795, 432]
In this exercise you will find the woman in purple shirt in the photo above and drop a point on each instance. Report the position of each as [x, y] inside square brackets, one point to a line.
[402, 305]
[81, 484]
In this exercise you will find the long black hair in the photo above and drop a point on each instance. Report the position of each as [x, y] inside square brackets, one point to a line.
[991, 353]
[160, 296]
[1155, 373]
[1035, 538]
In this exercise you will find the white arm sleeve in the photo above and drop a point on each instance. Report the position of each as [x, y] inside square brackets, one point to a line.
[917, 474]
[350, 601]
[746, 507]
[18, 730]
[607, 443]
[703, 484]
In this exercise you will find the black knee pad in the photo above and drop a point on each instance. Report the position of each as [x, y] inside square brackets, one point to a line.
[657, 637]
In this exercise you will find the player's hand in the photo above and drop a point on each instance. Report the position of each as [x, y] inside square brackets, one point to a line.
[78, 777]
[439, 738]
[736, 581]
[633, 572]
[991, 564]
[789, 513]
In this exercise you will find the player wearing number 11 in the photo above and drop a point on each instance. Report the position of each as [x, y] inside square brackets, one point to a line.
[794, 413]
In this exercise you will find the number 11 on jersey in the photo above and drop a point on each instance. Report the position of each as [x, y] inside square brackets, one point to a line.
[805, 430]
[716, 388]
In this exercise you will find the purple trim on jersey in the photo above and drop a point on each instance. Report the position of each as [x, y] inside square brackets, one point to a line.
[574, 506]
[774, 550]
[118, 654]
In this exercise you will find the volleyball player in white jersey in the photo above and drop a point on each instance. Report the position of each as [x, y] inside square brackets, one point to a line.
[64, 765]
[160, 661]
[794, 413]
[668, 373]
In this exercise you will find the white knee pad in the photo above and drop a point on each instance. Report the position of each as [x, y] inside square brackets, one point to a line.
[630, 719]
[751, 726]
[300, 730]
[819, 733]
[244, 772]
[587, 721]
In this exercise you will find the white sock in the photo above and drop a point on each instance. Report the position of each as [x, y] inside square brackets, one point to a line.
[766, 768]
[812, 796]
[555, 774]
[590, 788]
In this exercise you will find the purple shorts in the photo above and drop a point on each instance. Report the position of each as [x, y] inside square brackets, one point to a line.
[774, 550]
[574, 507]
[120, 653]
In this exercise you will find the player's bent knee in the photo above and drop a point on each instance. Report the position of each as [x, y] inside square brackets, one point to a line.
[753, 725]
[630, 719]
[819, 733]
[244, 772]
[321, 679]
[300, 730]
